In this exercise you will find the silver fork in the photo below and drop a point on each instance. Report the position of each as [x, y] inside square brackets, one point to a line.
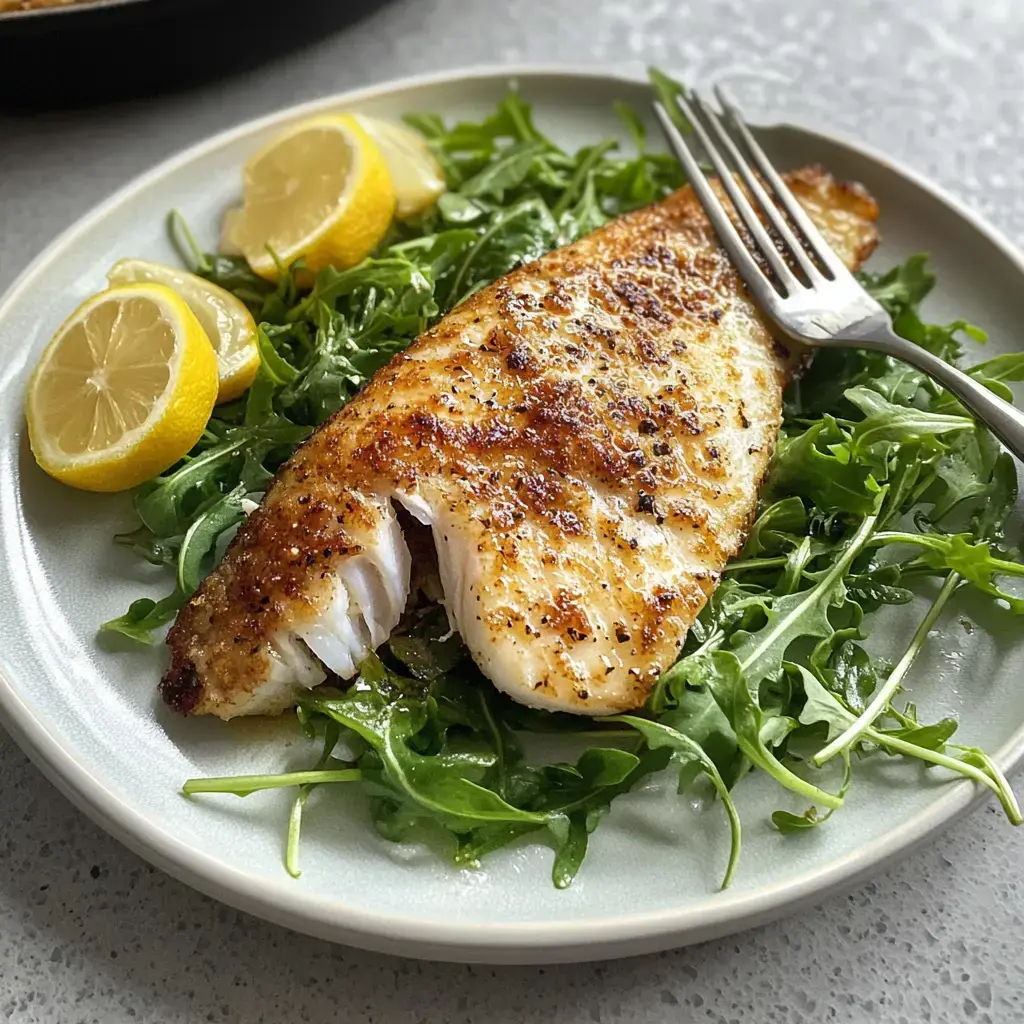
[824, 305]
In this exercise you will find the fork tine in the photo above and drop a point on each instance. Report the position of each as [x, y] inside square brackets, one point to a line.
[751, 273]
[736, 195]
[819, 247]
[775, 217]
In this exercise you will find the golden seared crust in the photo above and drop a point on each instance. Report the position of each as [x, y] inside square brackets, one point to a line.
[589, 434]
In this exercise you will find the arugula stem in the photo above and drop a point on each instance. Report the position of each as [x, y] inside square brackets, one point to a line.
[597, 734]
[888, 689]
[768, 762]
[332, 732]
[178, 229]
[755, 563]
[1001, 787]
[499, 746]
[735, 832]
[525, 131]
[991, 769]
[811, 817]
[243, 785]
[291, 850]
[917, 493]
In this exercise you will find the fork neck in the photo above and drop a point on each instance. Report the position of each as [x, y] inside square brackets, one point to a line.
[1005, 421]
[876, 334]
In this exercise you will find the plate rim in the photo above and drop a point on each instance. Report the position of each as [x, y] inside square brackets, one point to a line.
[285, 903]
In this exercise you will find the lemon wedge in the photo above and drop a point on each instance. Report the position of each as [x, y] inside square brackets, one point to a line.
[322, 191]
[417, 176]
[123, 390]
[226, 320]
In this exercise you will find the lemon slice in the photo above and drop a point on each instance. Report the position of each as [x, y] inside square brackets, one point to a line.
[123, 390]
[226, 320]
[228, 232]
[322, 191]
[417, 176]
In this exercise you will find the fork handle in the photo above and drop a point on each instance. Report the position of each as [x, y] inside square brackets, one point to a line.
[1002, 418]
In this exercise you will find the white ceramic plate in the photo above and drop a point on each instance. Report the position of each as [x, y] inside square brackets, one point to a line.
[90, 718]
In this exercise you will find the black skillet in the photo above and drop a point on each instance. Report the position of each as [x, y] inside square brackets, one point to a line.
[113, 49]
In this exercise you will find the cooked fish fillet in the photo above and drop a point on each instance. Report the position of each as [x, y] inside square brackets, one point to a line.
[585, 439]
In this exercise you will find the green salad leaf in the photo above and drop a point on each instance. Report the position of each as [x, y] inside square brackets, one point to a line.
[883, 491]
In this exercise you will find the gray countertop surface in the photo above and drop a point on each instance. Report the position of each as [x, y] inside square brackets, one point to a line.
[91, 933]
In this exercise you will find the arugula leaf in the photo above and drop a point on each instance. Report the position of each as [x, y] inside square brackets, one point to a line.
[632, 123]
[167, 504]
[787, 822]
[666, 90]
[278, 369]
[696, 715]
[471, 847]
[807, 464]
[427, 658]
[972, 762]
[967, 558]
[821, 705]
[1008, 366]
[801, 614]
[383, 710]
[439, 783]
[723, 675]
[851, 672]
[779, 527]
[904, 286]
[507, 172]
[993, 373]
[1000, 496]
[963, 472]
[517, 234]
[872, 589]
[885, 421]
[580, 796]
[571, 851]
[195, 555]
[930, 737]
[686, 751]
[144, 616]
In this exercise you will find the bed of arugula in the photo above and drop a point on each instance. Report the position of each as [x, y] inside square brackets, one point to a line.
[882, 488]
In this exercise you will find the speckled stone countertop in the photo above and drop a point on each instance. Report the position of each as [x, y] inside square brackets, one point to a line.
[90, 933]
